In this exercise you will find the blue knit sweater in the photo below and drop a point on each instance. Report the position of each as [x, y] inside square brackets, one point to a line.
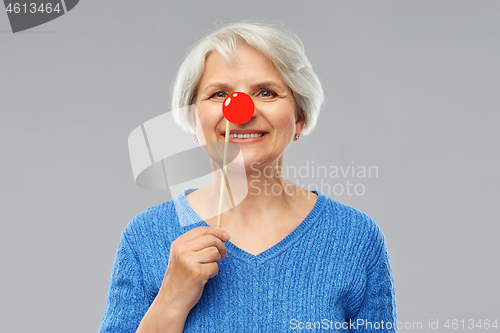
[331, 273]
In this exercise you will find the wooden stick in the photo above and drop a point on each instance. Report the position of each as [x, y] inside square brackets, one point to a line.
[223, 179]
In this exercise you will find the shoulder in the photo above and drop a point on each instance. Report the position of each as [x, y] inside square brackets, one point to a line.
[155, 225]
[162, 214]
[357, 226]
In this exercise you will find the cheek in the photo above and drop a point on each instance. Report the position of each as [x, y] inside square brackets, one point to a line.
[285, 116]
[286, 122]
[208, 121]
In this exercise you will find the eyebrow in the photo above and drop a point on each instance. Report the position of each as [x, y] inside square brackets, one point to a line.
[216, 86]
[224, 86]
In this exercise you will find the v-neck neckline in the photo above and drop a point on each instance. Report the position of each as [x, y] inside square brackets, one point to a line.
[188, 216]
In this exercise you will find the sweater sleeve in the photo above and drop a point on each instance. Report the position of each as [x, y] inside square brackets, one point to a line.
[378, 309]
[127, 301]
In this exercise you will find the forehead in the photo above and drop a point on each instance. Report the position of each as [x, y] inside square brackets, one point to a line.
[247, 64]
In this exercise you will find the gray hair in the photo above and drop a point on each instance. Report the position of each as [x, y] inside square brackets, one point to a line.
[283, 48]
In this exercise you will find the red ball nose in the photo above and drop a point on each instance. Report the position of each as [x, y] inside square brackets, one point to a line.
[238, 108]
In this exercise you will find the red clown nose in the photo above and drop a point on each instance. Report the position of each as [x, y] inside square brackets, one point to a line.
[238, 108]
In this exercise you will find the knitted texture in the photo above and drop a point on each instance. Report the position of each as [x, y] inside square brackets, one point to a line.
[331, 273]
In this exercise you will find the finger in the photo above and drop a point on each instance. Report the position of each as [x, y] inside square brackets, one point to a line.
[208, 255]
[208, 241]
[202, 231]
[211, 269]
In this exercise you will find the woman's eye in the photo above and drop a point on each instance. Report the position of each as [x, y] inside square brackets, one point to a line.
[267, 93]
[219, 94]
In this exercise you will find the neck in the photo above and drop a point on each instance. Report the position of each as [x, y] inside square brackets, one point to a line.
[267, 194]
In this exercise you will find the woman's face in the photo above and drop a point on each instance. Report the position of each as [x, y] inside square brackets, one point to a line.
[275, 112]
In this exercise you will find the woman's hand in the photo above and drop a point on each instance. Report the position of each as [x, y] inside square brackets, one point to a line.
[194, 258]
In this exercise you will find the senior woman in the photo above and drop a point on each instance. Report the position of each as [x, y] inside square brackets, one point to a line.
[283, 260]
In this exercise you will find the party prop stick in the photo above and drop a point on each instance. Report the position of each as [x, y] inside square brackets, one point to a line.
[238, 108]
[223, 180]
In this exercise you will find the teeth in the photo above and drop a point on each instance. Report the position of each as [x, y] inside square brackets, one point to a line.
[245, 136]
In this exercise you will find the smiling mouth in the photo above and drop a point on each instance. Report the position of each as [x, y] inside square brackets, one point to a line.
[245, 136]
[238, 134]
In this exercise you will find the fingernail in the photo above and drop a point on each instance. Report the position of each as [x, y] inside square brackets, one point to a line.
[226, 235]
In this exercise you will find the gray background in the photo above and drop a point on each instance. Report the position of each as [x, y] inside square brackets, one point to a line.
[412, 87]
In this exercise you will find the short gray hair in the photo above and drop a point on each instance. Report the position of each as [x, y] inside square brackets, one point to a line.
[282, 47]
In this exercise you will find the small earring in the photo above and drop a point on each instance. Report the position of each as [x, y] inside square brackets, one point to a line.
[195, 139]
[297, 136]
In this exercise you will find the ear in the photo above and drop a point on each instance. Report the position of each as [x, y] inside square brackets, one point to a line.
[299, 122]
